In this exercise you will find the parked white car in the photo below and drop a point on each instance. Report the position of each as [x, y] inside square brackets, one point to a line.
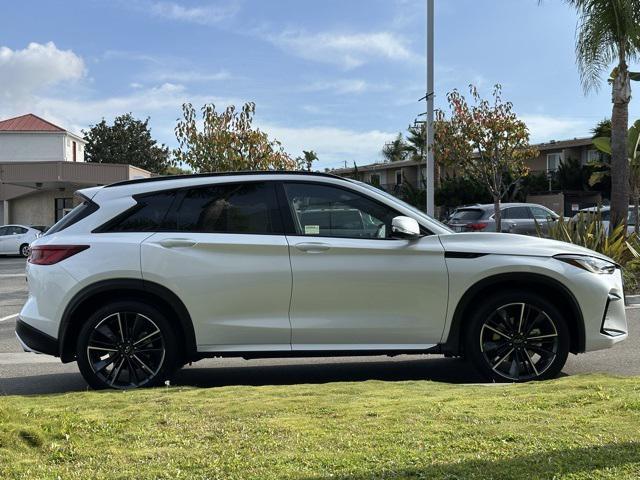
[15, 239]
[605, 213]
[147, 275]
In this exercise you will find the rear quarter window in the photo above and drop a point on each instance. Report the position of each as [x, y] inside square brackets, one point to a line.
[80, 212]
[147, 216]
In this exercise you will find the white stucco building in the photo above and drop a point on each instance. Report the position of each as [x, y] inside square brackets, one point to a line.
[41, 165]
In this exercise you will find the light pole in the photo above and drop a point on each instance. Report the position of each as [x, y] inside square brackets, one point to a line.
[429, 98]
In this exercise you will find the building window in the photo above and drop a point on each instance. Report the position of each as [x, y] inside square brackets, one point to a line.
[63, 206]
[75, 151]
[593, 156]
[399, 177]
[553, 161]
[375, 179]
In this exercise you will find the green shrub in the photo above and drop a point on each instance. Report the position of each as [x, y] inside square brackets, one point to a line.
[587, 230]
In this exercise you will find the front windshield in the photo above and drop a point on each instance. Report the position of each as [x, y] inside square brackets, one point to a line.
[418, 213]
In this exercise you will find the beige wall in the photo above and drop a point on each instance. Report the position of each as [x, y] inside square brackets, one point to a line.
[36, 208]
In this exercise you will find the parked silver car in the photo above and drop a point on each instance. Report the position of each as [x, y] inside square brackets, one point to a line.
[516, 218]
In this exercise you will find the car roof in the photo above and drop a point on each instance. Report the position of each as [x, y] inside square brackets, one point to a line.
[221, 174]
[490, 206]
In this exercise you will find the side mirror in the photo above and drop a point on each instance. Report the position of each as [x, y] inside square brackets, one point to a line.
[405, 227]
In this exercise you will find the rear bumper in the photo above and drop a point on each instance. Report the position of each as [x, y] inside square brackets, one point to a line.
[33, 340]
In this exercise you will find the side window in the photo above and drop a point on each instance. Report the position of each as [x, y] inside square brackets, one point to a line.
[541, 213]
[21, 230]
[513, 213]
[148, 216]
[249, 208]
[326, 211]
[3, 231]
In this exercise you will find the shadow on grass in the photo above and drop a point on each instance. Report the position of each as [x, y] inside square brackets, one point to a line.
[323, 370]
[221, 373]
[546, 464]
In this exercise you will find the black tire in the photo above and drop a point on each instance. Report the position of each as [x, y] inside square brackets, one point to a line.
[125, 345]
[509, 342]
[24, 250]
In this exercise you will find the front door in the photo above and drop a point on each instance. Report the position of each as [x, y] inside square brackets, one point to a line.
[354, 286]
[223, 252]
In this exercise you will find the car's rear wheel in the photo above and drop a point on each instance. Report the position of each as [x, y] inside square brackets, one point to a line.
[518, 337]
[125, 345]
[24, 250]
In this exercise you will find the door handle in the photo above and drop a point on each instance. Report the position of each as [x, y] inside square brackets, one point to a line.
[313, 247]
[177, 243]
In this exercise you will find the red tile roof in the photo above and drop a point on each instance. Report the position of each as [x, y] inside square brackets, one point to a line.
[28, 123]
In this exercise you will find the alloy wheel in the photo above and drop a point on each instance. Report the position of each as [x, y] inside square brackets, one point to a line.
[24, 251]
[519, 341]
[126, 350]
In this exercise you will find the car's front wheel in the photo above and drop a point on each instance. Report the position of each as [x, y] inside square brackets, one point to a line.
[517, 337]
[126, 344]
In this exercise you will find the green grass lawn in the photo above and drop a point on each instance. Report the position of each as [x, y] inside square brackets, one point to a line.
[575, 427]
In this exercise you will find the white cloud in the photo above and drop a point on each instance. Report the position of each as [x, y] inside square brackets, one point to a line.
[345, 86]
[348, 50]
[204, 15]
[333, 145]
[36, 67]
[543, 128]
[189, 76]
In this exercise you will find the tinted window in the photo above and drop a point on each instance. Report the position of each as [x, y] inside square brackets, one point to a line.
[148, 215]
[3, 231]
[83, 210]
[466, 214]
[230, 208]
[540, 213]
[326, 211]
[516, 213]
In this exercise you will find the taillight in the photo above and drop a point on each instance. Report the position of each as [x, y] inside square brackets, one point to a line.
[50, 254]
[476, 227]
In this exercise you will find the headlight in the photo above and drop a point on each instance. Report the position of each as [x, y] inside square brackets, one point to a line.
[590, 264]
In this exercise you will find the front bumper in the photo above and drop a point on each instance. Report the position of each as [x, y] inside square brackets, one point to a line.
[33, 340]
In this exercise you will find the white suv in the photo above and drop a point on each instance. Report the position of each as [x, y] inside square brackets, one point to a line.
[148, 275]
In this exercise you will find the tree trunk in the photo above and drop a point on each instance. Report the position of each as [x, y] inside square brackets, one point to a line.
[496, 213]
[621, 94]
[636, 202]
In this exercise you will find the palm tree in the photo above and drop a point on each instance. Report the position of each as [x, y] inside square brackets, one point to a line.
[396, 150]
[609, 32]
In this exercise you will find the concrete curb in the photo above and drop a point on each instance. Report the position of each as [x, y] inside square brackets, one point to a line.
[632, 299]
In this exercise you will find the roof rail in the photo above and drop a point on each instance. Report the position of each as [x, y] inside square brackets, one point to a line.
[222, 174]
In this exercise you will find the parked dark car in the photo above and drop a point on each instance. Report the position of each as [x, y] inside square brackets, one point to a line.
[516, 218]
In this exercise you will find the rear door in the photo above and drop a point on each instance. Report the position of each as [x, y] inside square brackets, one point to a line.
[354, 286]
[224, 253]
[518, 220]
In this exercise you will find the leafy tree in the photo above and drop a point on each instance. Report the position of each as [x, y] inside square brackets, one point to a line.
[485, 141]
[602, 129]
[128, 141]
[396, 150]
[460, 190]
[176, 170]
[227, 142]
[633, 158]
[307, 159]
[609, 32]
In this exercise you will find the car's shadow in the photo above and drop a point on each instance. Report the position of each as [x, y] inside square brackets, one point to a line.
[255, 373]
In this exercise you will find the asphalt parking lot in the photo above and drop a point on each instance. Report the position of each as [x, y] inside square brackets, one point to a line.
[27, 373]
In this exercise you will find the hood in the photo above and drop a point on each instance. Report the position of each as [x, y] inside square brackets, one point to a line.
[511, 244]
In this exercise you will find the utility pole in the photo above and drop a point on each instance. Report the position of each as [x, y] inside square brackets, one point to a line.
[429, 98]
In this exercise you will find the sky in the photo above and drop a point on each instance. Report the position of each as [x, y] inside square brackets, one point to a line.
[340, 77]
